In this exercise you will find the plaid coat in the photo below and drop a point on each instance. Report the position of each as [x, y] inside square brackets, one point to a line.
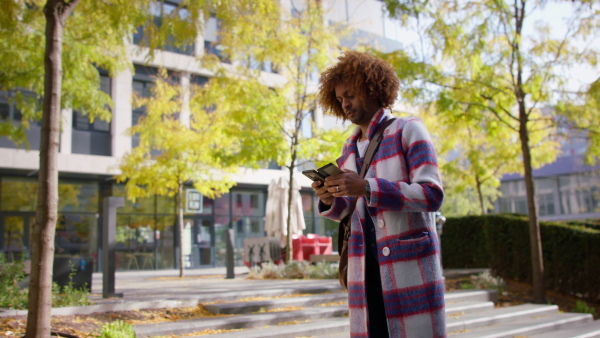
[406, 189]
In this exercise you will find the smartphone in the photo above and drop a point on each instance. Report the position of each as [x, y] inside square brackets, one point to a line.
[329, 170]
[313, 175]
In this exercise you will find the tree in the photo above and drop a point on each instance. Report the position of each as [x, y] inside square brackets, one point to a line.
[307, 45]
[298, 46]
[71, 80]
[216, 138]
[487, 59]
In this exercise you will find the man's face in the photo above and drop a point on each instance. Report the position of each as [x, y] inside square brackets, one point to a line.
[358, 111]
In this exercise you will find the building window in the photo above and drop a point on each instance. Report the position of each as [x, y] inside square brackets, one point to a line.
[158, 9]
[212, 43]
[10, 113]
[92, 138]
[546, 204]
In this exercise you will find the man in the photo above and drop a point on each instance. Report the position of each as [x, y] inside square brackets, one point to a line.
[395, 285]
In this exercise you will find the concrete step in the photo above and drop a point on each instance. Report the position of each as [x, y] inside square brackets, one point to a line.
[526, 326]
[460, 304]
[238, 322]
[231, 296]
[333, 326]
[461, 308]
[587, 330]
[339, 326]
[469, 301]
[496, 316]
[471, 295]
[268, 304]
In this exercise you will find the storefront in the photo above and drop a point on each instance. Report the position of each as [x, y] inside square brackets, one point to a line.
[146, 228]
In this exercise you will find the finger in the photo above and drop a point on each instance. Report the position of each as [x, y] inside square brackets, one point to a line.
[348, 171]
[316, 184]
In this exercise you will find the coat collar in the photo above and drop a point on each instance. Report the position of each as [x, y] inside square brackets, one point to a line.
[378, 119]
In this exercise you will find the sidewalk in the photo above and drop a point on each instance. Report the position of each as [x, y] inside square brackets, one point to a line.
[154, 285]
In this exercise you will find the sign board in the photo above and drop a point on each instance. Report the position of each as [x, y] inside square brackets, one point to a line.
[193, 201]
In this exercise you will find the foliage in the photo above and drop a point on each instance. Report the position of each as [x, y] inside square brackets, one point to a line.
[69, 295]
[486, 64]
[12, 296]
[463, 80]
[11, 273]
[485, 280]
[582, 307]
[500, 242]
[294, 270]
[117, 329]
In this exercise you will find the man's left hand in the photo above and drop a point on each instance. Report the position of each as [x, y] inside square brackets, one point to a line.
[347, 184]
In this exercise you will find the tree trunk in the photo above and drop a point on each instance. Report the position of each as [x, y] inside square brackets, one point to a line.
[42, 242]
[480, 194]
[535, 240]
[180, 227]
[289, 251]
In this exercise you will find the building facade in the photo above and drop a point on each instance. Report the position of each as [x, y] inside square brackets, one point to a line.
[90, 154]
[566, 189]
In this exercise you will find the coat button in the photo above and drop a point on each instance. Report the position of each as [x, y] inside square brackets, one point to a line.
[380, 223]
[386, 251]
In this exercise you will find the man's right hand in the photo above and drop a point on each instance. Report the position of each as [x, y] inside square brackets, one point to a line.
[321, 192]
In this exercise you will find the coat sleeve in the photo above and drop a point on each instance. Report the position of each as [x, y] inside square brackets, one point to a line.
[424, 193]
[338, 210]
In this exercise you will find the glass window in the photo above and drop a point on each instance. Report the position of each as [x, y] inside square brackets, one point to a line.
[251, 203]
[76, 235]
[82, 122]
[78, 196]
[18, 194]
[212, 43]
[166, 8]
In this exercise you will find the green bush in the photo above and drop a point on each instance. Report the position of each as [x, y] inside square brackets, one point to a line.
[582, 307]
[117, 329]
[501, 242]
[294, 270]
[11, 296]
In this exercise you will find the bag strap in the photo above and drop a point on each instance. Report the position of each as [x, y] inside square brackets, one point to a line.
[373, 146]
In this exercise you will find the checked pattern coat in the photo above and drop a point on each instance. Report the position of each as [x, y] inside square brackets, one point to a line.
[406, 190]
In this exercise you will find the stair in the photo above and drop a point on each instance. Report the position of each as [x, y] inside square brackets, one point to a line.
[470, 313]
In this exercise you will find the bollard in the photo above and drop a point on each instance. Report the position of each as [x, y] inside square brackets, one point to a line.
[229, 256]
[109, 231]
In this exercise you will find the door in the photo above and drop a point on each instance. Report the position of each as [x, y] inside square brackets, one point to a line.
[14, 235]
[198, 242]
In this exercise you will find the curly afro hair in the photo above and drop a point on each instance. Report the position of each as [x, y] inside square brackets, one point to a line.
[368, 75]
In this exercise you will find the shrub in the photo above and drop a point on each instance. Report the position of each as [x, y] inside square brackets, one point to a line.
[117, 329]
[485, 281]
[582, 307]
[11, 296]
[294, 270]
[501, 242]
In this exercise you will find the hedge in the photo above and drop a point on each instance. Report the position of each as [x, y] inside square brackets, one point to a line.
[501, 242]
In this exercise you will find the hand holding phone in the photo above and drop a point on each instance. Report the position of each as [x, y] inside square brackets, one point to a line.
[323, 172]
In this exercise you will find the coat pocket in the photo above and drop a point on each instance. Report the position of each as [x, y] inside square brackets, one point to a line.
[414, 246]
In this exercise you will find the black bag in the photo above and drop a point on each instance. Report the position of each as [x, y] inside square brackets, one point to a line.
[344, 227]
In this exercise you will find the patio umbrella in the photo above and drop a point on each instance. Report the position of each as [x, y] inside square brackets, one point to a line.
[277, 210]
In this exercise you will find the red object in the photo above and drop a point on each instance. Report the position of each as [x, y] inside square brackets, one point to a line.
[310, 245]
[325, 246]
